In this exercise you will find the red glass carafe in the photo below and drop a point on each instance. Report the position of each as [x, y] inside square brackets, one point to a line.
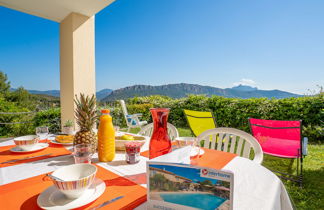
[160, 142]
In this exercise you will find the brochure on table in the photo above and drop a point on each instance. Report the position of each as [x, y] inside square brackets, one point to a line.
[182, 186]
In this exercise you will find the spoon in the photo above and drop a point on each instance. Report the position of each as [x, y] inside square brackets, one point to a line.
[54, 177]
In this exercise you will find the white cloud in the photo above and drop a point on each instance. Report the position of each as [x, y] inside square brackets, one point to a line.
[248, 82]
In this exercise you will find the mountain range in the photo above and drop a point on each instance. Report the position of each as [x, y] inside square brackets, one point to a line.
[178, 91]
[56, 93]
[183, 89]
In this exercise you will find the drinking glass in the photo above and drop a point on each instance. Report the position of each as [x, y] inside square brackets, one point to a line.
[42, 132]
[132, 153]
[116, 128]
[195, 149]
[82, 153]
[195, 152]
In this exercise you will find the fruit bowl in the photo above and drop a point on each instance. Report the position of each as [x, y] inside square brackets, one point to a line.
[120, 141]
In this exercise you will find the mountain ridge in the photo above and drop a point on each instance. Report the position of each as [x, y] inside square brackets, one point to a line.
[177, 91]
[56, 93]
[183, 89]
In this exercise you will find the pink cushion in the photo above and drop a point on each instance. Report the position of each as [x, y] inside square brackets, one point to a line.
[281, 147]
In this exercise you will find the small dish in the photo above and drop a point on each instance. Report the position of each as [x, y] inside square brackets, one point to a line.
[53, 141]
[53, 199]
[194, 151]
[37, 147]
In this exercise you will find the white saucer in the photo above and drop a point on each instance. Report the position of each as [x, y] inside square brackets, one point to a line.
[52, 198]
[194, 151]
[53, 141]
[37, 147]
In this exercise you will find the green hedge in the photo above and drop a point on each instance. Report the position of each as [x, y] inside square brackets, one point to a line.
[50, 118]
[14, 129]
[230, 112]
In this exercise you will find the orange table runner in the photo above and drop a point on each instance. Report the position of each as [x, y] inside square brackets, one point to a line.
[211, 158]
[7, 155]
[146, 153]
[23, 194]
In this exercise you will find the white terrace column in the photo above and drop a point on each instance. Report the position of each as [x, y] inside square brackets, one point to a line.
[77, 61]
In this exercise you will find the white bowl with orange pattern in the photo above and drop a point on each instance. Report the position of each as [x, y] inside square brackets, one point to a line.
[76, 179]
[26, 143]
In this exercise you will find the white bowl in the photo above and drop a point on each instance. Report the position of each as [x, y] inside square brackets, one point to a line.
[76, 179]
[26, 143]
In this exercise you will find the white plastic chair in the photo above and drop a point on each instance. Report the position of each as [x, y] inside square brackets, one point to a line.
[148, 130]
[132, 121]
[232, 140]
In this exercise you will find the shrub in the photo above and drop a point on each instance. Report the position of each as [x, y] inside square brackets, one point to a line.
[14, 129]
[50, 118]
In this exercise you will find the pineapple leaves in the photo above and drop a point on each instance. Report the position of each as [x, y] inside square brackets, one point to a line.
[85, 112]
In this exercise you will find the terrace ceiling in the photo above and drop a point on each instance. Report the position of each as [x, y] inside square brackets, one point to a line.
[56, 10]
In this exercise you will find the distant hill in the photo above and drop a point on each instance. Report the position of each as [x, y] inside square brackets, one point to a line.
[183, 89]
[56, 93]
[244, 88]
[103, 93]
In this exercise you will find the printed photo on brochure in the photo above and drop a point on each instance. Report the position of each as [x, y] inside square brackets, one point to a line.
[179, 186]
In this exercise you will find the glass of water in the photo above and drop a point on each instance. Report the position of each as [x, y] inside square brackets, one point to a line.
[82, 153]
[42, 132]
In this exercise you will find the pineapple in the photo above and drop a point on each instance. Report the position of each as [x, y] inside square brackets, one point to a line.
[86, 118]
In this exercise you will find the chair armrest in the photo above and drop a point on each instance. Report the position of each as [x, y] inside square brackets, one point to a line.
[132, 116]
[138, 114]
[305, 143]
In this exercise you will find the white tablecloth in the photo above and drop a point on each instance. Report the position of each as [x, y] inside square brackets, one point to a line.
[255, 187]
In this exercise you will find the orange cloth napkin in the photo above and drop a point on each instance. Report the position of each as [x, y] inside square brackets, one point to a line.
[23, 194]
[212, 158]
[145, 154]
[7, 155]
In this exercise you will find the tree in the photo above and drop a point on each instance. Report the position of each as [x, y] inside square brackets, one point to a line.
[22, 98]
[4, 84]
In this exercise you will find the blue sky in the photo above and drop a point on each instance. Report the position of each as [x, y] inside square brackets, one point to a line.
[271, 44]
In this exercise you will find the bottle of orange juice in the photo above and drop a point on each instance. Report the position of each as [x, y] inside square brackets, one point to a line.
[106, 137]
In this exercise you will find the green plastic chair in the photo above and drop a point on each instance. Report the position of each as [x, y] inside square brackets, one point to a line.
[199, 121]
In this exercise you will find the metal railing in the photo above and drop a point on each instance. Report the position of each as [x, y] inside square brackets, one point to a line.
[17, 113]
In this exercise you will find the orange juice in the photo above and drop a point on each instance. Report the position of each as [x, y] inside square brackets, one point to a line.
[106, 137]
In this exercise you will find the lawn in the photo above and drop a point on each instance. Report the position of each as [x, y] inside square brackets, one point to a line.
[311, 196]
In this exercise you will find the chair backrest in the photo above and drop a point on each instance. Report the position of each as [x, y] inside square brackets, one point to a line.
[231, 140]
[199, 121]
[123, 105]
[148, 130]
[275, 136]
[129, 120]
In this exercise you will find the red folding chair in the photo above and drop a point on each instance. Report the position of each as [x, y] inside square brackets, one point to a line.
[281, 139]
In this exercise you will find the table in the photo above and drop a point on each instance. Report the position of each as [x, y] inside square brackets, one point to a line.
[255, 187]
